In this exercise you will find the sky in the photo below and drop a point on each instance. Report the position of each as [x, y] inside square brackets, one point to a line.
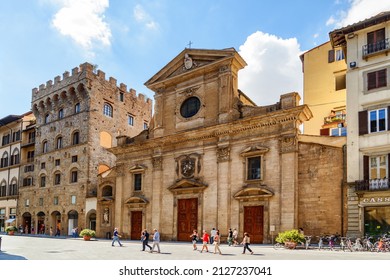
[131, 40]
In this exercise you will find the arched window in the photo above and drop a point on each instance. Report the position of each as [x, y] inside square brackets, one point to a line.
[107, 110]
[15, 158]
[4, 160]
[13, 188]
[44, 147]
[75, 138]
[3, 188]
[28, 181]
[43, 181]
[59, 142]
[46, 118]
[57, 178]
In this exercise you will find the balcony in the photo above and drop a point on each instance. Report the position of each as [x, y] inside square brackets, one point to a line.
[28, 142]
[372, 185]
[376, 48]
[339, 118]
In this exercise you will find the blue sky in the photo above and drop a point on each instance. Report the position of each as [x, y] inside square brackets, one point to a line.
[133, 40]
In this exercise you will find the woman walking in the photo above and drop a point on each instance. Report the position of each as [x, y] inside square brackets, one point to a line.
[216, 242]
[194, 237]
[246, 241]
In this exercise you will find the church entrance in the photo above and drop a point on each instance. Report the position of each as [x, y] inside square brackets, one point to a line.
[136, 225]
[253, 223]
[187, 218]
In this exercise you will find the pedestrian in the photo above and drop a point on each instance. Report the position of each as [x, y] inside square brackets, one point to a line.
[230, 237]
[58, 232]
[235, 237]
[145, 240]
[156, 241]
[217, 242]
[51, 231]
[246, 241]
[194, 238]
[206, 240]
[212, 234]
[116, 237]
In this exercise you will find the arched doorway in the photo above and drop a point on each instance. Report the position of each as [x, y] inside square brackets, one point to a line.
[73, 217]
[26, 223]
[41, 223]
[91, 220]
[56, 222]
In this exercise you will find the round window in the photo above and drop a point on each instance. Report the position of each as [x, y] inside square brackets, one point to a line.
[190, 107]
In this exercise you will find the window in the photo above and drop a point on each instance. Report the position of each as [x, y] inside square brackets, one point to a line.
[61, 114]
[376, 41]
[339, 131]
[4, 160]
[145, 125]
[15, 158]
[43, 181]
[339, 55]
[377, 120]
[30, 156]
[16, 136]
[3, 189]
[73, 176]
[76, 138]
[13, 188]
[253, 168]
[121, 96]
[57, 178]
[27, 202]
[341, 82]
[12, 211]
[31, 137]
[55, 202]
[44, 147]
[6, 139]
[74, 158]
[59, 143]
[130, 120]
[190, 107]
[377, 79]
[46, 118]
[77, 108]
[28, 181]
[137, 181]
[43, 165]
[73, 199]
[378, 167]
[57, 162]
[107, 110]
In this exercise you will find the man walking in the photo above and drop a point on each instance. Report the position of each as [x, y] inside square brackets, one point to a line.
[116, 238]
[145, 240]
[156, 241]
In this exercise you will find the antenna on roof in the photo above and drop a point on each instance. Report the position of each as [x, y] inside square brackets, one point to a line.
[190, 44]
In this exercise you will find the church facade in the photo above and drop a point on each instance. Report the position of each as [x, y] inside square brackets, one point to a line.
[212, 158]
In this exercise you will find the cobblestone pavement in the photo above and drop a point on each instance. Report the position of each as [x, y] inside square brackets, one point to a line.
[50, 248]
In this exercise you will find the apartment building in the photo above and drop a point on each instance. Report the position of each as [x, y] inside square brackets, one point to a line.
[367, 46]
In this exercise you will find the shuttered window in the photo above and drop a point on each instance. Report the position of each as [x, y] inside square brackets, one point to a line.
[377, 79]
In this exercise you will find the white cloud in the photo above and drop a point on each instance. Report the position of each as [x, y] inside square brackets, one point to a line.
[274, 68]
[359, 10]
[141, 16]
[83, 21]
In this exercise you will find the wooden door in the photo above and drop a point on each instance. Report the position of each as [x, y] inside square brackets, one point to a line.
[136, 225]
[253, 223]
[187, 218]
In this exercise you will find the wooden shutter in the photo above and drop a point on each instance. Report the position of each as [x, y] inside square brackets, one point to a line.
[382, 78]
[363, 122]
[324, 131]
[331, 56]
[366, 167]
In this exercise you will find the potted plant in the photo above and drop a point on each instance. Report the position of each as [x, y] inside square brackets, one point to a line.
[290, 238]
[11, 230]
[87, 233]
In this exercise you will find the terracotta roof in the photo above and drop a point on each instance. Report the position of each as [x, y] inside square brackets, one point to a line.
[337, 36]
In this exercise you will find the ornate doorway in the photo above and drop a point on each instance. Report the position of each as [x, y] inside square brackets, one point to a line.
[253, 223]
[187, 218]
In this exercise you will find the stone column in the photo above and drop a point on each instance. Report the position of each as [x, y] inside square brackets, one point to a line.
[157, 179]
[224, 189]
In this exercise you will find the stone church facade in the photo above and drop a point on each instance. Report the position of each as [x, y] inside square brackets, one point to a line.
[212, 158]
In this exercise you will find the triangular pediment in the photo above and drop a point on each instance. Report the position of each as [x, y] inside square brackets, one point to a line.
[193, 61]
[253, 192]
[185, 185]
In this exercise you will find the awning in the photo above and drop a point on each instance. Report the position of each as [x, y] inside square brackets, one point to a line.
[10, 220]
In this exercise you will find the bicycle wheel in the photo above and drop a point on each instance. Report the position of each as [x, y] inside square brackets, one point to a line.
[278, 246]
